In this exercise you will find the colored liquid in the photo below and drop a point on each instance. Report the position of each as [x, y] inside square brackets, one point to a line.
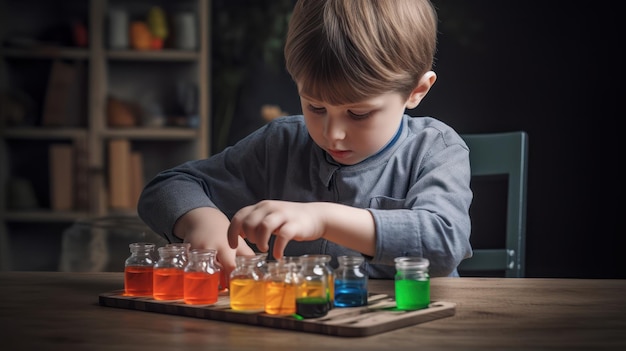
[350, 293]
[168, 284]
[412, 294]
[138, 280]
[280, 298]
[313, 289]
[247, 295]
[312, 307]
[330, 293]
[200, 288]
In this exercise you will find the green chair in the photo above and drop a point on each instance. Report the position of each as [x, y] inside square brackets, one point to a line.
[501, 155]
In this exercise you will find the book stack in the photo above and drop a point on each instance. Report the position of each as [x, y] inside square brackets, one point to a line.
[125, 175]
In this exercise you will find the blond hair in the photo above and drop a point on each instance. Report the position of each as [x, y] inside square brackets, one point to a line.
[346, 51]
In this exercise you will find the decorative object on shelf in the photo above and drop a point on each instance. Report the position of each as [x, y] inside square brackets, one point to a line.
[21, 194]
[158, 27]
[270, 112]
[185, 37]
[118, 29]
[140, 36]
[80, 34]
[16, 109]
[187, 100]
[121, 113]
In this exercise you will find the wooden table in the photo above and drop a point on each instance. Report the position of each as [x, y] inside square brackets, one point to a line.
[60, 311]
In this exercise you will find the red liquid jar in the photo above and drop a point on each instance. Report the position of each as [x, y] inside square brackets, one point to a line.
[138, 270]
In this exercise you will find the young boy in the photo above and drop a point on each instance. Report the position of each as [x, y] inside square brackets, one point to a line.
[353, 175]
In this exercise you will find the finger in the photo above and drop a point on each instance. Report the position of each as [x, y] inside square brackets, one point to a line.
[244, 249]
[256, 224]
[227, 261]
[280, 243]
[235, 230]
[270, 224]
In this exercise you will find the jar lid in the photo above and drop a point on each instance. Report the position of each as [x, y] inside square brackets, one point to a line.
[412, 262]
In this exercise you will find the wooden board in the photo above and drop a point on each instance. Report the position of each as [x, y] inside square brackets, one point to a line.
[379, 316]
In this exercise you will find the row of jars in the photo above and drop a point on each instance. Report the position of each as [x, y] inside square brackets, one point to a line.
[175, 273]
[306, 285]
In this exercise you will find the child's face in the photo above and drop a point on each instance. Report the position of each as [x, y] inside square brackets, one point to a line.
[351, 133]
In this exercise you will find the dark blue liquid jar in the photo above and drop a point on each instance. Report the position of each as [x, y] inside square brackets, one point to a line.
[350, 282]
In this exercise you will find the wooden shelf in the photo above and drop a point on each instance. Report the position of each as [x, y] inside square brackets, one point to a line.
[90, 76]
[45, 216]
[157, 55]
[165, 133]
[44, 133]
[48, 52]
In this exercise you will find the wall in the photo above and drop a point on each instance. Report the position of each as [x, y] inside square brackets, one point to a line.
[542, 67]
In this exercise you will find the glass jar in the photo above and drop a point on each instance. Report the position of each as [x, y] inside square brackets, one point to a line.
[261, 258]
[138, 270]
[324, 261]
[247, 285]
[281, 282]
[184, 250]
[201, 277]
[168, 279]
[350, 282]
[412, 283]
[312, 294]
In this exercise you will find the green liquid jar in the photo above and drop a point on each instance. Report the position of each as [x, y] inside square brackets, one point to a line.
[412, 283]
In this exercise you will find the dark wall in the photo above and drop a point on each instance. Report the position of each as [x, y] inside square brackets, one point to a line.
[549, 68]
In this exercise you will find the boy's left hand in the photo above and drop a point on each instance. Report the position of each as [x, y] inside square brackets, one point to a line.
[286, 220]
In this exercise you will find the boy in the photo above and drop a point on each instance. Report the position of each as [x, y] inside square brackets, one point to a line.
[353, 175]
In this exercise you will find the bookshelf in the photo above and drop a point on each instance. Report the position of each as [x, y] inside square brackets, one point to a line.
[166, 91]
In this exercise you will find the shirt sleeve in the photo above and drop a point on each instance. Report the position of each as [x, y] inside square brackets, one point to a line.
[228, 180]
[433, 220]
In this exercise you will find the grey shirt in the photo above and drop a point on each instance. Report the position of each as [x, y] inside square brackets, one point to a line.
[417, 190]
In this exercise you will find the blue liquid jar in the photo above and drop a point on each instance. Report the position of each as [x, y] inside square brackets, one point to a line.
[350, 282]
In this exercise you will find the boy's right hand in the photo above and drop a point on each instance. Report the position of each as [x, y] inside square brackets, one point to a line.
[206, 228]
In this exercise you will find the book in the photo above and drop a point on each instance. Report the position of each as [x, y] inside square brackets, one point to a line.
[81, 164]
[64, 104]
[61, 177]
[136, 172]
[120, 174]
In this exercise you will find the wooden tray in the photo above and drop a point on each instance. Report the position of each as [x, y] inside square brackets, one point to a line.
[380, 315]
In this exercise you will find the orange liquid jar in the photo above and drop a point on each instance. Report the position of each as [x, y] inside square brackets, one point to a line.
[138, 270]
[280, 288]
[201, 277]
[168, 275]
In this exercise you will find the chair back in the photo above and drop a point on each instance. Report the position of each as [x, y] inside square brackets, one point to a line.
[493, 154]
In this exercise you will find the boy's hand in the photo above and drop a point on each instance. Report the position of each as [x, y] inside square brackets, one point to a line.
[286, 220]
[205, 228]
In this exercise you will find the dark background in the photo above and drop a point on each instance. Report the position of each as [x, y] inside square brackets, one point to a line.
[550, 68]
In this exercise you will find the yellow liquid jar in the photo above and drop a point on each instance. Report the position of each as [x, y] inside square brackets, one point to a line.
[247, 285]
[280, 288]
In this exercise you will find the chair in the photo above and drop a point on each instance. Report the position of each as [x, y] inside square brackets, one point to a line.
[504, 155]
